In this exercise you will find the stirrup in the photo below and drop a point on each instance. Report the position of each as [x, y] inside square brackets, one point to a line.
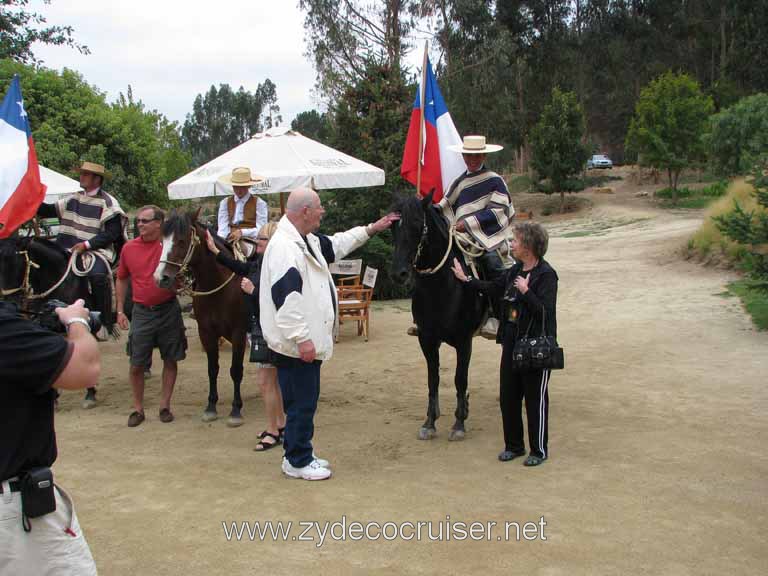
[490, 328]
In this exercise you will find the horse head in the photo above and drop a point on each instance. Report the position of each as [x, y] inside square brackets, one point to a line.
[179, 240]
[12, 265]
[417, 218]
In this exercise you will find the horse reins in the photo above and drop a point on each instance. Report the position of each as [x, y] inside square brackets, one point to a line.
[465, 243]
[184, 266]
[28, 265]
[71, 267]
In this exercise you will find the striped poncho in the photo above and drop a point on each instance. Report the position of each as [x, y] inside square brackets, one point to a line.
[481, 200]
[82, 217]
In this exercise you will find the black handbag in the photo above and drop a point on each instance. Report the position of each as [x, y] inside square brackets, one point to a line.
[537, 352]
[260, 352]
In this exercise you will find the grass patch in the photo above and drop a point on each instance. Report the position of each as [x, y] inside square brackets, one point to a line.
[707, 238]
[577, 184]
[600, 228]
[693, 197]
[572, 204]
[754, 297]
[695, 177]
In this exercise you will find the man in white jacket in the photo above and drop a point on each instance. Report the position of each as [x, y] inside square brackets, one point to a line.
[299, 315]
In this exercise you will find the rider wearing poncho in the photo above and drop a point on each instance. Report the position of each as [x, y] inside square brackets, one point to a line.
[479, 203]
[91, 220]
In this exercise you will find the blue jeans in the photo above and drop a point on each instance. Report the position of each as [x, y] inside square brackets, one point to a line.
[300, 385]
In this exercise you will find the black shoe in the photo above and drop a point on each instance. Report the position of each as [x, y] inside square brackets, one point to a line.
[508, 455]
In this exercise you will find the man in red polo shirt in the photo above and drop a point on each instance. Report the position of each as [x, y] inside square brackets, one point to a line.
[156, 319]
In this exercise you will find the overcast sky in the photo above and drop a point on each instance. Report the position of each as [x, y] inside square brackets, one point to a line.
[170, 50]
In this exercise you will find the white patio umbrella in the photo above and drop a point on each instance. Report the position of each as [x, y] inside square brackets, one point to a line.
[286, 160]
[58, 184]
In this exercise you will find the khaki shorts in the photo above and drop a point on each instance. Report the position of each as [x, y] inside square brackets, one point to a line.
[157, 327]
[55, 545]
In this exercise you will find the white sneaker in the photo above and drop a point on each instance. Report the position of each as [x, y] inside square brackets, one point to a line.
[312, 471]
[322, 461]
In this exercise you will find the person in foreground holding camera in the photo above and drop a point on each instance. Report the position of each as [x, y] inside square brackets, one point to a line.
[39, 530]
[528, 293]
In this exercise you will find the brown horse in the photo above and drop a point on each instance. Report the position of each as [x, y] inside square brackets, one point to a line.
[220, 308]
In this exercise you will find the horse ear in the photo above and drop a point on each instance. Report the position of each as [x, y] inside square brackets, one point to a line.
[427, 200]
[196, 214]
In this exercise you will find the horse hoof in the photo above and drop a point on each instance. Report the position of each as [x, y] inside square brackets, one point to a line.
[234, 421]
[210, 416]
[88, 403]
[427, 433]
[456, 435]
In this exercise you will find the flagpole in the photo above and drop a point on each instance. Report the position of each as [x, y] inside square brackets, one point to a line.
[422, 91]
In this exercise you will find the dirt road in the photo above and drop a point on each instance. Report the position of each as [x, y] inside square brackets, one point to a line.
[658, 440]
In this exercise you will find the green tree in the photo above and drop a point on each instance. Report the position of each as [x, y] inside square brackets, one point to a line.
[20, 28]
[344, 36]
[670, 124]
[751, 228]
[370, 123]
[557, 142]
[739, 135]
[312, 124]
[71, 121]
[222, 119]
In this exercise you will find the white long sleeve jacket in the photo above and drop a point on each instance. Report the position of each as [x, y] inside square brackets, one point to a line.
[297, 295]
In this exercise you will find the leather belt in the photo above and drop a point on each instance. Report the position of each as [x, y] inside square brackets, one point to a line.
[15, 486]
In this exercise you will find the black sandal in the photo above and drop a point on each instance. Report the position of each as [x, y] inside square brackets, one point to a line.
[264, 446]
[281, 432]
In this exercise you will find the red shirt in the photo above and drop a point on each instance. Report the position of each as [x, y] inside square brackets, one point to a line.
[138, 259]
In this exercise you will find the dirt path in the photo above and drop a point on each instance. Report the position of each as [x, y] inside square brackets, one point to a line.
[658, 439]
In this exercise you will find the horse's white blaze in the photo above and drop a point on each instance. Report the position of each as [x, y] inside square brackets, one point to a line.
[167, 245]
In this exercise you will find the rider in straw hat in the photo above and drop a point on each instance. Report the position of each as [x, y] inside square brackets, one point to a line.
[91, 221]
[479, 203]
[241, 215]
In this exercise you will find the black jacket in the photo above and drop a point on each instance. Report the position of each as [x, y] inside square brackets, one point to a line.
[530, 307]
[250, 269]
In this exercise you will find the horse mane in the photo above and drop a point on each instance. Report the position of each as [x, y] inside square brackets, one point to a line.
[49, 249]
[177, 223]
[412, 215]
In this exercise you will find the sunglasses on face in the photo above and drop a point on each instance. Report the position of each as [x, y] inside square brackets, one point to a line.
[263, 238]
[145, 220]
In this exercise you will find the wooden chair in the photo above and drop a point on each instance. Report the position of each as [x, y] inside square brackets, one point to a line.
[355, 302]
[346, 272]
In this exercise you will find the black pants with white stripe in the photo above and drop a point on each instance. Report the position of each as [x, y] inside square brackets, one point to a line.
[533, 386]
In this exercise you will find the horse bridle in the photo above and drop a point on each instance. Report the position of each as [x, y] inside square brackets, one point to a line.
[183, 267]
[28, 265]
[472, 250]
[422, 243]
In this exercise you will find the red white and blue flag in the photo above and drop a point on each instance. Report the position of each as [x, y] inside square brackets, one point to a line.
[439, 165]
[21, 191]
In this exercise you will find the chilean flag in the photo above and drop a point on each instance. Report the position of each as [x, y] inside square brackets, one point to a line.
[21, 191]
[439, 166]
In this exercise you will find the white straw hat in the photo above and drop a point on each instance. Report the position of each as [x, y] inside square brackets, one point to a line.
[475, 145]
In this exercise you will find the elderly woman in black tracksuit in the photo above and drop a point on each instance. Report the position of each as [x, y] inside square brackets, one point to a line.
[528, 294]
[267, 373]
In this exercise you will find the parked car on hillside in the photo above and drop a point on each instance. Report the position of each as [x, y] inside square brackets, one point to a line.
[599, 161]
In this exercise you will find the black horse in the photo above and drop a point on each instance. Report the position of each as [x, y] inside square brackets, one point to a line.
[445, 310]
[220, 308]
[34, 271]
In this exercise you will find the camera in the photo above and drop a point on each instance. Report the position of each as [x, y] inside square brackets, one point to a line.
[47, 317]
